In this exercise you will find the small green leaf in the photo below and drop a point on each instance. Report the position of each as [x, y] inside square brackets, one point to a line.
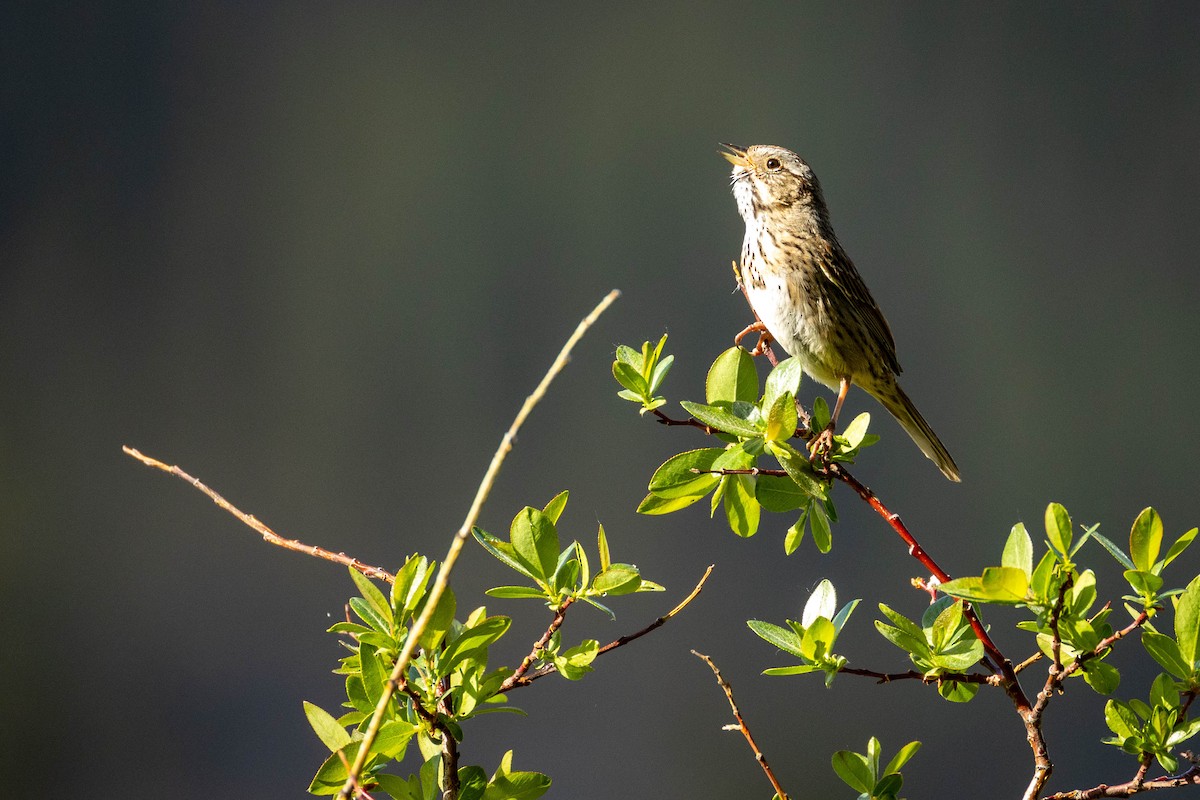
[734, 419]
[1114, 551]
[1018, 550]
[1187, 622]
[822, 535]
[783, 379]
[1180, 545]
[901, 758]
[602, 547]
[554, 508]
[854, 770]
[471, 640]
[440, 622]
[675, 478]
[856, 431]
[503, 551]
[1101, 676]
[1058, 528]
[957, 692]
[1145, 539]
[781, 419]
[795, 534]
[732, 377]
[1120, 719]
[535, 541]
[654, 505]
[617, 579]
[786, 640]
[779, 495]
[630, 378]
[372, 595]
[798, 669]
[1165, 651]
[331, 734]
[821, 603]
[798, 469]
[741, 509]
[516, 592]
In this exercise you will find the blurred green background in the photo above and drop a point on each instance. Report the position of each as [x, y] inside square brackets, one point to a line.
[317, 254]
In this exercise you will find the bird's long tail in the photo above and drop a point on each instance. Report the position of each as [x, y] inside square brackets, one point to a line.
[896, 401]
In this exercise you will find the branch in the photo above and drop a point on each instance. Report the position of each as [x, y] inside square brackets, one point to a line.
[269, 536]
[624, 640]
[912, 674]
[741, 725]
[1189, 778]
[538, 646]
[443, 577]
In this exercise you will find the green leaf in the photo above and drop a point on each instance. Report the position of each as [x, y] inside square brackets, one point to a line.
[675, 479]
[367, 613]
[471, 640]
[798, 469]
[1145, 539]
[373, 673]
[503, 551]
[516, 593]
[332, 774]
[575, 663]
[1018, 550]
[1114, 551]
[627, 355]
[820, 414]
[1187, 622]
[654, 505]
[535, 541]
[1120, 719]
[617, 579]
[818, 639]
[331, 734]
[795, 534]
[797, 669]
[782, 418]
[472, 782]
[1180, 545]
[554, 508]
[1146, 584]
[734, 419]
[1101, 676]
[630, 378]
[779, 495]
[821, 603]
[372, 595]
[786, 640]
[1058, 528]
[1165, 651]
[732, 377]
[741, 509]
[783, 379]
[901, 758]
[393, 738]
[822, 535]
[856, 431]
[854, 770]
[602, 547]
[439, 623]
[1001, 585]
[957, 692]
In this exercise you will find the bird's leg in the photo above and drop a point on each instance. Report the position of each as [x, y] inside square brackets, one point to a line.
[821, 445]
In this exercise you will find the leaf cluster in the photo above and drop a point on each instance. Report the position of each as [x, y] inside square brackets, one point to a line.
[861, 772]
[753, 422]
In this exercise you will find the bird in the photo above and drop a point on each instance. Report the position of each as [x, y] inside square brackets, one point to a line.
[807, 295]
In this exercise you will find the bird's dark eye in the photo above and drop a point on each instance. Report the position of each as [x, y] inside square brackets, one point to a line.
[773, 163]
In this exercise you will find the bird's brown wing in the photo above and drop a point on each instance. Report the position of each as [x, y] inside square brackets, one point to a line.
[858, 301]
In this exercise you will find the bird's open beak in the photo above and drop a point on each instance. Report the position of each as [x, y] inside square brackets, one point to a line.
[736, 155]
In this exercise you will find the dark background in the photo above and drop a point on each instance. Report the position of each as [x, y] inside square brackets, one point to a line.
[317, 255]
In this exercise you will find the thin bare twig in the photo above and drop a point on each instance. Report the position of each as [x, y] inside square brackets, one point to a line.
[268, 535]
[741, 726]
[443, 577]
[623, 640]
[912, 674]
[1189, 778]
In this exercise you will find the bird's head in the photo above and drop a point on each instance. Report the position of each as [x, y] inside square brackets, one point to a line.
[767, 177]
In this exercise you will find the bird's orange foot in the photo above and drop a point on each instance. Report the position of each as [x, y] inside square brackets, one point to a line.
[754, 327]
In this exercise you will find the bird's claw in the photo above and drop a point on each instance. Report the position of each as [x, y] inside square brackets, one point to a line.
[820, 447]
